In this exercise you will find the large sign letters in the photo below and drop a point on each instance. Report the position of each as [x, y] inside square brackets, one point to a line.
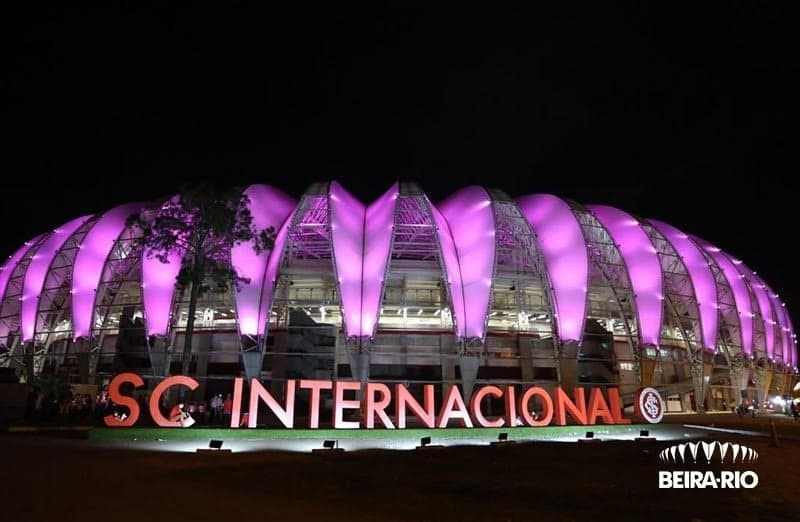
[369, 405]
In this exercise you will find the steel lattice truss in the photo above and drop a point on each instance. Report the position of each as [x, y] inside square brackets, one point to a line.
[309, 237]
[414, 233]
[520, 266]
[608, 280]
[54, 320]
[474, 265]
[682, 315]
[12, 300]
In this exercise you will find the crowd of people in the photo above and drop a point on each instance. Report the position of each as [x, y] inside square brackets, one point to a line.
[73, 407]
[67, 405]
[215, 412]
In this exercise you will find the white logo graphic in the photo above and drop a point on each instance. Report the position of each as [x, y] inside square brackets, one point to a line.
[738, 454]
[721, 452]
[652, 406]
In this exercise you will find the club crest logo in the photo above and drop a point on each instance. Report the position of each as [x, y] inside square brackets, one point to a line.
[650, 405]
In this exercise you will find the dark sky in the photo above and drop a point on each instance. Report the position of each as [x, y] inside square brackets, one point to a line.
[686, 116]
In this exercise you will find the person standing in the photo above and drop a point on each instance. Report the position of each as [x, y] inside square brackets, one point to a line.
[216, 408]
[227, 410]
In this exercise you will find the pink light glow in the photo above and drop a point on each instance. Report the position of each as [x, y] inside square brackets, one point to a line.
[377, 245]
[361, 239]
[781, 317]
[89, 263]
[452, 269]
[269, 208]
[741, 295]
[37, 272]
[158, 290]
[764, 307]
[8, 268]
[347, 216]
[788, 342]
[792, 359]
[469, 214]
[643, 265]
[705, 288]
[5, 274]
[273, 264]
[563, 248]
[792, 340]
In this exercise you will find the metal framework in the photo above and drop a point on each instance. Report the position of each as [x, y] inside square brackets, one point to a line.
[608, 280]
[415, 275]
[682, 326]
[11, 303]
[525, 290]
[53, 328]
[729, 340]
[522, 289]
[306, 284]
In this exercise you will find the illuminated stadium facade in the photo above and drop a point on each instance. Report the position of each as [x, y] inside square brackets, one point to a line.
[479, 289]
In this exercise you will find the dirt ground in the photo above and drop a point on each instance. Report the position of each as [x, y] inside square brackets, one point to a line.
[46, 478]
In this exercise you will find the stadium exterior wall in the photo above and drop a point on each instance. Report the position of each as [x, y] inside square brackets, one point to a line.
[479, 289]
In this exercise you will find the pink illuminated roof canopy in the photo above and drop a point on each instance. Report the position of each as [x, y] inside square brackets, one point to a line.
[563, 248]
[94, 250]
[792, 340]
[271, 275]
[269, 208]
[158, 290]
[332, 224]
[644, 268]
[469, 215]
[764, 307]
[741, 295]
[789, 345]
[703, 283]
[5, 274]
[347, 230]
[783, 328]
[452, 271]
[158, 287]
[11, 264]
[37, 272]
[377, 245]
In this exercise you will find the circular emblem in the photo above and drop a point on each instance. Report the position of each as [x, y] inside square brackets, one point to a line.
[650, 405]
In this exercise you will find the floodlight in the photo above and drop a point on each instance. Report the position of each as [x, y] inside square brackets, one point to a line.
[328, 446]
[424, 441]
[644, 435]
[502, 439]
[214, 446]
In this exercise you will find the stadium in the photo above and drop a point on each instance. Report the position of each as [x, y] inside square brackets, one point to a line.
[478, 289]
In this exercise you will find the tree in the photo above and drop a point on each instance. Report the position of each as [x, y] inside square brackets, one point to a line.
[201, 224]
[52, 387]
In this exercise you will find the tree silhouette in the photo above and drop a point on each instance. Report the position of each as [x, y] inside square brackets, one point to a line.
[201, 224]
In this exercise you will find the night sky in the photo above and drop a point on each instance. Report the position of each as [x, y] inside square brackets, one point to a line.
[688, 117]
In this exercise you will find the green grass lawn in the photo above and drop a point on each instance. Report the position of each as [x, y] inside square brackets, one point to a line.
[412, 433]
